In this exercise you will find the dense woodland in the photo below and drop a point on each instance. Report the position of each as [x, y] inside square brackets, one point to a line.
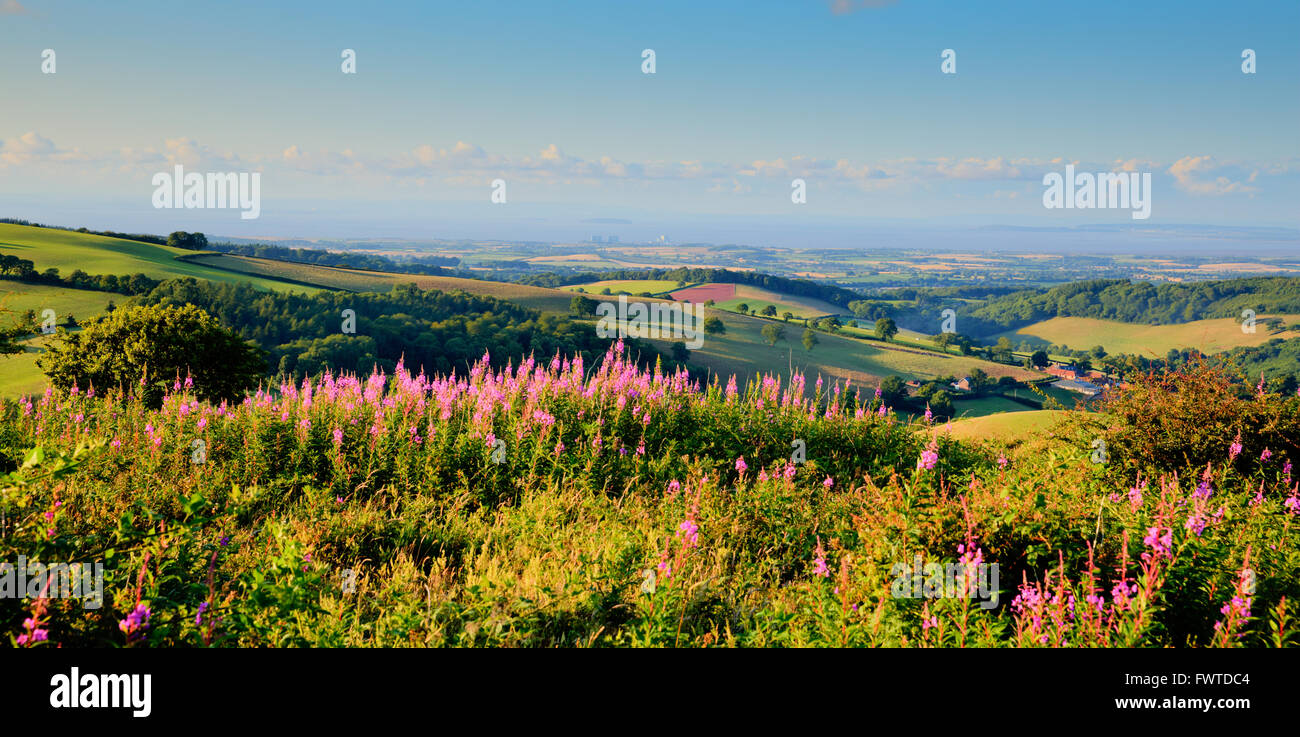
[434, 331]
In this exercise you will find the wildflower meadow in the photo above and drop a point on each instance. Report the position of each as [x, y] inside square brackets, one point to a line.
[554, 503]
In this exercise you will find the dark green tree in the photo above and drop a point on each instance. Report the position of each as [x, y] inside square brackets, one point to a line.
[885, 328]
[773, 332]
[143, 349]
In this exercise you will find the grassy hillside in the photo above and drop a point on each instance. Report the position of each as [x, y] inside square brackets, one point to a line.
[800, 307]
[743, 351]
[1208, 336]
[539, 298]
[19, 375]
[68, 251]
[631, 286]
[80, 303]
[1003, 425]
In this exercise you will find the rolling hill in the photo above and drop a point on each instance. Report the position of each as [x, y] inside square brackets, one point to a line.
[1208, 336]
[68, 251]
[742, 351]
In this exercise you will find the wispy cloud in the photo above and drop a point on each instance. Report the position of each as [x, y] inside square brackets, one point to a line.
[466, 163]
[1203, 175]
[13, 7]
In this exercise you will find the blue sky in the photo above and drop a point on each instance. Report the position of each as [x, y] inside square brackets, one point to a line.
[550, 97]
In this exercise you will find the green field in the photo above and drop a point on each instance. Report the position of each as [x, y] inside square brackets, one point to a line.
[1004, 425]
[757, 299]
[68, 251]
[538, 298]
[633, 286]
[1207, 336]
[989, 405]
[80, 303]
[19, 374]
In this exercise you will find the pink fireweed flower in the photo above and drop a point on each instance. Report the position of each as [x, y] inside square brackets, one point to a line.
[762, 475]
[819, 561]
[1203, 490]
[32, 633]
[1002, 460]
[1234, 450]
[136, 623]
[829, 482]
[1135, 494]
[689, 532]
[1161, 543]
[929, 416]
[338, 436]
[1292, 503]
[741, 466]
[790, 471]
[930, 456]
[1267, 454]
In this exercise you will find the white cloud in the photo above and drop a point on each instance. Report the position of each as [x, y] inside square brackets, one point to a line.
[32, 148]
[1202, 175]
